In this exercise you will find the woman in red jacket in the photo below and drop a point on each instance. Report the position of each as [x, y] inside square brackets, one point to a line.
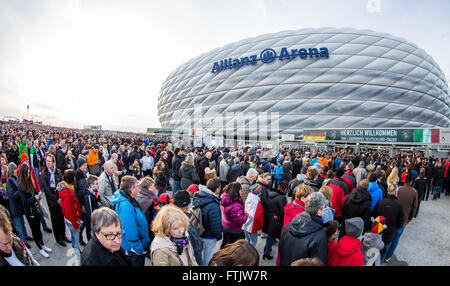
[70, 206]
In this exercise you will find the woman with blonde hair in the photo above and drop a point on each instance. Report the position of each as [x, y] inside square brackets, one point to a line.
[171, 245]
[393, 177]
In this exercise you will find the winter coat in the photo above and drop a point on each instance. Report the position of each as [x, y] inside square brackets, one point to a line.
[69, 204]
[277, 202]
[301, 238]
[315, 184]
[16, 207]
[266, 166]
[277, 172]
[376, 192]
[357, 204]
[350, 180]
[195, 241]
[81, 187]
[92, 202]
[134, 224]
[408, 197]
[287, 170]
[253, 208]
[291, 210]
[95, 254]
[223, 170]
[346, 252]
[338, 195]
[145, 200]
[294, 183]
[164, 253]
[245, 166]
[188, 175]
[438, 177]
[61, 160]
[371, 240]
[211, 213]
[264, 198]
[233, 173]
[392, 209]
[106, 189]
[245, 187]
[176, 165]
[420, 184]
[204, 163]
[233, 213]
[44, 182]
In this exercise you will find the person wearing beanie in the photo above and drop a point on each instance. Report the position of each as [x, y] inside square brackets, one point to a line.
[234, 172]
[304, 236]
[182, 200]
[373, 240]
[254, 209]
[81, 192]
[164, 199]
[347, 251]
[192, 189]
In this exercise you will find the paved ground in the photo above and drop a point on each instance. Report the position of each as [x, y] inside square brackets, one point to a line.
[423, 243]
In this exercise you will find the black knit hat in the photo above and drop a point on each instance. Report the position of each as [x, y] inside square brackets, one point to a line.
[181, 199]
[80, 162]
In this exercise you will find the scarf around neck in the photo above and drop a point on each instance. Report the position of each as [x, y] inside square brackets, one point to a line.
[180, 243]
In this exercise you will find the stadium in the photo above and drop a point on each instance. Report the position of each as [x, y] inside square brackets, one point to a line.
[316, 79]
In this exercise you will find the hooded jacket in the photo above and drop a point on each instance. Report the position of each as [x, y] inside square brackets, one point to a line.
[371, 240]
[291, 210]
[253, 208]
[69, 203]
[134, 224]
[211, 214]
[277, 202]
[346, 252]
[233, 212]
[164, 253]
[315, 184]
[301, 238]
[233, 173]
[145, 199]
[392, 209]
[188, 175]
[357, 204]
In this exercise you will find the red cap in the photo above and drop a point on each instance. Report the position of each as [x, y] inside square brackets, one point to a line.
[24, 156]
[165, 198]
[193, 188]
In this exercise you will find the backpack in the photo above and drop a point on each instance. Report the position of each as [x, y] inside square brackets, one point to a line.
[196, 220]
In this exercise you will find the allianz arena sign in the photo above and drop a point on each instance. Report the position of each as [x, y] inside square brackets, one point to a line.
[268, 56]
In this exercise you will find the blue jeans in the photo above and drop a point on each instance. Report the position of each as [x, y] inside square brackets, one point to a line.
[269, 242]
[20, 225]
[251, 237]
[209, 247]
[43, 222]
[74, 235]
[384, 252]
[176, 187]
[394, 243]
[437, 192]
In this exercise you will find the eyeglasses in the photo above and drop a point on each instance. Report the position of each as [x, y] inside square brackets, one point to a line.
[112, 236]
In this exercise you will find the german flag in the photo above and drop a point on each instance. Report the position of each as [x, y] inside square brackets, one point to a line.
[314, 135]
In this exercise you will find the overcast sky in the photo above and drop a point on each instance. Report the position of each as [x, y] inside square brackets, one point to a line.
[102, 62]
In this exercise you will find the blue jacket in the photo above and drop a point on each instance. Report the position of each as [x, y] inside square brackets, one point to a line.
[376, 192]
[211, 213]
[134, 224]
[277, 172]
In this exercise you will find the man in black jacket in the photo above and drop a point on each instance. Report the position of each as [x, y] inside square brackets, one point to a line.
[204, 163]
[357, 204]
[392, 209]
[304, 237]
[104, 248]
[176, 165]
[48, 182]
[81, 188]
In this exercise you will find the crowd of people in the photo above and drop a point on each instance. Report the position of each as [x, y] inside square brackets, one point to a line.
[128, 197]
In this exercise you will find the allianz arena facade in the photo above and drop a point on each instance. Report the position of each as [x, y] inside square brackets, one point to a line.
[310, 78]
